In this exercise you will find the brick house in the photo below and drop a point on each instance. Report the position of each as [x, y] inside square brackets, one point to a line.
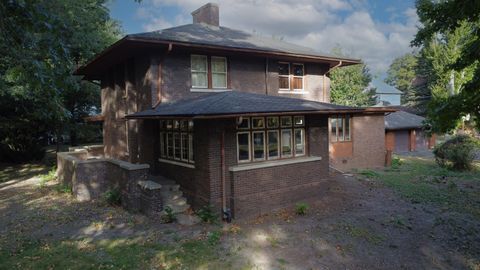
[239, 121]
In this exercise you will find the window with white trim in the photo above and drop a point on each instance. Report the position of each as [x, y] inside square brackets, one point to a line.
[209, 71]
[176, 140]
[199, 69]
[340, 126]
[270, 138]
[291, 76]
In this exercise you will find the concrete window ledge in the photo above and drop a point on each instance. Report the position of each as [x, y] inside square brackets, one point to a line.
[293, 92]
[173, 162]
[210, 90]
[273, 163]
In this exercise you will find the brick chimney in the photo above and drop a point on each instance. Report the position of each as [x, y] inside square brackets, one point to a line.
[207, 14]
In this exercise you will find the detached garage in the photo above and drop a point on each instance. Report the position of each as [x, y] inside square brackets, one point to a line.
[403, 133]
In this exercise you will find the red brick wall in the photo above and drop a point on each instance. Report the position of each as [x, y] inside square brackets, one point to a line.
[368, 144]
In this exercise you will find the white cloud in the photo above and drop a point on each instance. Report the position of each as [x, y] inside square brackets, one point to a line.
[319, 24]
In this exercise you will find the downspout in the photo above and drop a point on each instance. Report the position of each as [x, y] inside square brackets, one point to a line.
[227, 215]
[266, 76]
[325, 79]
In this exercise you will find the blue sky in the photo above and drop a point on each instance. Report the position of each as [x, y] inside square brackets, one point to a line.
[375, 31]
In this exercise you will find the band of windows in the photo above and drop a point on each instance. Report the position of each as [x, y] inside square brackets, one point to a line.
[176, 140]
[275, 138]
[340, 128]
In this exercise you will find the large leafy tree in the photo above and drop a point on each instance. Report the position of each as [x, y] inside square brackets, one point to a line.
[401, 73]
[441, 20]
[350, 85]
[42, 42]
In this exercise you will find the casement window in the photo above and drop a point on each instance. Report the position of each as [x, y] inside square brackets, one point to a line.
[270, 138]
[209, 72]
[176, 140]
[290, 76]
[340, 126]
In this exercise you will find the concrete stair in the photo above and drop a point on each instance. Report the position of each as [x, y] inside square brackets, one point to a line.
[171, 194]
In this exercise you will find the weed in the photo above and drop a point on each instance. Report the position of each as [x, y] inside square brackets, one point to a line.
[207, 214]
[50, 176]
[113, 197]
[301, 209]
[370, 174]
[363, 233]
[63, 188]
[169, 216]
[213, 238]
[396, 162]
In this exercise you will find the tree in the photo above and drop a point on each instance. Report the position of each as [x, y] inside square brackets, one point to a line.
[402, 73]
[349, 85]
[441, 19]
[42, 42]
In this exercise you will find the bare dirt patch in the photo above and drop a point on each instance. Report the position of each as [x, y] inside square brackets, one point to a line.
[358, 223]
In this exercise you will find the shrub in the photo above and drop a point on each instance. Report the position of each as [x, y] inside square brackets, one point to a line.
[301, 209]
[457, 153]
[213, 238]
[169, 216]
[113, 196]
[207, 214]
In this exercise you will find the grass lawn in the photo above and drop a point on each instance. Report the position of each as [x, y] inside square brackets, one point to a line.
[421, 180]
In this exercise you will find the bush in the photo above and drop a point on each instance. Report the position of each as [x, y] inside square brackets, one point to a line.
[207, 214]
[169, 216]
[457, 153]
[113, 196]
[301, 209]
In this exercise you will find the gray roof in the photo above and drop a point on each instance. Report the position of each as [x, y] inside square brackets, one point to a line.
[203, 34]
[403, 120]
[235, 103]
[383, 88]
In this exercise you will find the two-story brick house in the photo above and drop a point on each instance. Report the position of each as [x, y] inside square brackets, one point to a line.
[240, 121]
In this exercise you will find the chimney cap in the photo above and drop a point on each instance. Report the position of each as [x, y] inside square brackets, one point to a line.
[207, 5]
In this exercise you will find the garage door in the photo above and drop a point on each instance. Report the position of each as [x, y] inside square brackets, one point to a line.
[401, 141]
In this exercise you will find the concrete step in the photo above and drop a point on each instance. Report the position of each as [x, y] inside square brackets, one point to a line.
[169, 187]
[171, 195]
[178, 201]
[176, 208]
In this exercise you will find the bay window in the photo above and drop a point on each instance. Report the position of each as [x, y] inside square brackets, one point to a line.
[270, 138]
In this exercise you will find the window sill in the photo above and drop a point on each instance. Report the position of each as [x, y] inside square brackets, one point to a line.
[191, 166]
[293, 92]
[273, 163]
[210, 90]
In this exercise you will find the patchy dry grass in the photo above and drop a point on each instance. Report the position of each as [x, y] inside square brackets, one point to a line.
[423, 181]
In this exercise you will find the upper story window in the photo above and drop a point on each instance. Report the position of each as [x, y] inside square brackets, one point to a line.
[270, 138]
[208, 72]
[290, 76]
[340, 126]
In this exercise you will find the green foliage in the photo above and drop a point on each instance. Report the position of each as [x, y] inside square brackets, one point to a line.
[451, 37]
[213, 238]
[207, 214]
[396, 162]
[169, 216]
[457, 153]
[113, 197]
[63, 188]
[370, 173]
[349, 85]
[301, 208]
[402, 72]
[50, 176]
[42, 43]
